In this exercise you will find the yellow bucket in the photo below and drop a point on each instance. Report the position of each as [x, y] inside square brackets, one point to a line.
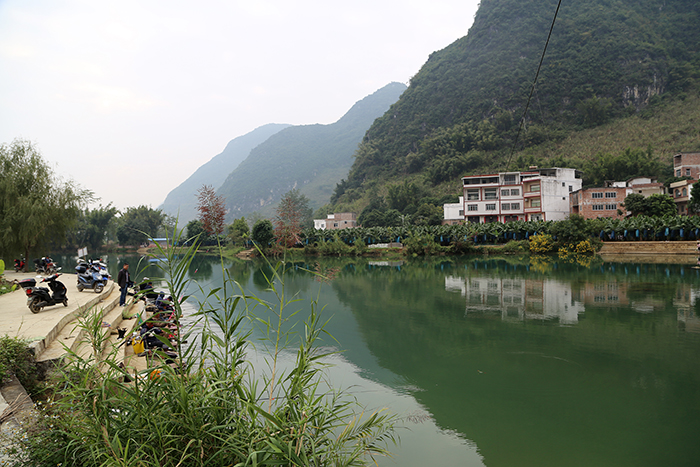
[138, 345]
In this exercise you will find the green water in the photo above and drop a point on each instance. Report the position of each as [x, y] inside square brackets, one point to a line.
[507, 363]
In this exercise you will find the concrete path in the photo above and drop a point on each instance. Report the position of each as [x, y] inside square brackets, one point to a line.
[16, 320]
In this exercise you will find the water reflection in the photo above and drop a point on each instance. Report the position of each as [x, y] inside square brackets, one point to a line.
[504, 362]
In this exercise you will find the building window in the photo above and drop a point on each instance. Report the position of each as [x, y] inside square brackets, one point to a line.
[685, 192]
[571, 188]
[535, 203]
[678, 172]
[472, 207]
[610, 207]
[596, 195]
[490, 193]
[610, 194]
[514, 206]
[535, 187]
[461, 212]
[678, 192]
[505, 192]
[597, 207]
[505, 206]
[491, 207]
[473, 194]
[687, 172]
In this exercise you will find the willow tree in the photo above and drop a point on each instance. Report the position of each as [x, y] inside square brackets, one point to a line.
[35, 205]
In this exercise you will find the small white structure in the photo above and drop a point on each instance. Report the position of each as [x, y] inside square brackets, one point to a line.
[453, 213]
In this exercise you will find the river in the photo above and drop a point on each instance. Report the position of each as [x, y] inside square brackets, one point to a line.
[509, 362]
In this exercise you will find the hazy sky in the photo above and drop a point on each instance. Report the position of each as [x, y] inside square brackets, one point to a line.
[129, 98]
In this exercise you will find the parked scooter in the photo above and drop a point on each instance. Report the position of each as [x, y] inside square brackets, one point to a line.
[45, 265]
[39, 297]
[91, 276]
[19, 264]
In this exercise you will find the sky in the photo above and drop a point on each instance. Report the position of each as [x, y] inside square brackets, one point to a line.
[129, 98]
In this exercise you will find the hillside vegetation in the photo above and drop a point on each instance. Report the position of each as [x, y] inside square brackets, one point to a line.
[311, 158]
[616, 75]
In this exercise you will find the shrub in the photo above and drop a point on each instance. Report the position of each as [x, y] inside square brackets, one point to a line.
[16, 359]
[420, 245]
[541, 244]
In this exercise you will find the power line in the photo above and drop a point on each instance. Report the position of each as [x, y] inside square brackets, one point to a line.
[532, 90]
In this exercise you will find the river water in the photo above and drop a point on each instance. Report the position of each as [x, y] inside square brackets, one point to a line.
[509, 362]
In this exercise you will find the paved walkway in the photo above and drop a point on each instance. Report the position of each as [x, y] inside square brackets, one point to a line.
[16, 320]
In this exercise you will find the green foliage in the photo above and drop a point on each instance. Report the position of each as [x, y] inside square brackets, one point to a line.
[136, 221]
[16, 359]
[571, 230]
[606, 61]
[421, 245]
[263, 233]
[195, 231]
[629, 164]
[238, 232]
[656, 205]
[35, 206]
[91, 228]
[215, 408]
[694, 203]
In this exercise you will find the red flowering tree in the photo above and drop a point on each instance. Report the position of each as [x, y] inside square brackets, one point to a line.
[212, 210]
[293, 215]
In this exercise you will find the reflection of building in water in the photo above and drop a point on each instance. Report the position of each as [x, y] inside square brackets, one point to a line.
[686, 302]
[603, 293]
[515, 298]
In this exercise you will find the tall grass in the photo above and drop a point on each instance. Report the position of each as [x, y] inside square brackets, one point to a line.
[214, 408]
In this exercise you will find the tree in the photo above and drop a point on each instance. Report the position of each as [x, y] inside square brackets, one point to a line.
[263, 233]
[661, 205]
[238, 231]
[91, 228]
[212, 210]
[655, 205]
[694, 203]
[137, 225]
[195, 231]
[636, 204]
[293, 215]
[34, 204]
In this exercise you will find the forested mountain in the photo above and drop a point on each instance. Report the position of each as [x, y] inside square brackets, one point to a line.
[183, 199]
[312, 158]
[607, 61]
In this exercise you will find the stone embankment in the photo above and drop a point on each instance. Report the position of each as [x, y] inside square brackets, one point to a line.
[651, 252]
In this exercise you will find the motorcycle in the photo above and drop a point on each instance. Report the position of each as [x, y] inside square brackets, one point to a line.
[45, 265]
[90, 276]
[19, 264]
[40, 297]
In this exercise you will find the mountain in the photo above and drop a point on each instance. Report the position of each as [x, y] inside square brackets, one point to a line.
[312, 158]
[183, 199]
[606, 61]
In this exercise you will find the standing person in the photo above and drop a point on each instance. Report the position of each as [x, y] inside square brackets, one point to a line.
[123, 279]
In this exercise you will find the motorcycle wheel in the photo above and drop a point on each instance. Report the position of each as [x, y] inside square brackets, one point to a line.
[99, 288]
[65, 302]
[34, 305]
[80, 287]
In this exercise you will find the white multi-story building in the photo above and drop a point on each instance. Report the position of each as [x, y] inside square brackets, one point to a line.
[538, 194]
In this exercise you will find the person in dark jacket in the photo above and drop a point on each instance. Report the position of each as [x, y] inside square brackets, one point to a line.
[123, 279]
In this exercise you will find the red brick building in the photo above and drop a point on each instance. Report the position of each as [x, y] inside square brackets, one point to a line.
[687, 165]
[599, 202]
